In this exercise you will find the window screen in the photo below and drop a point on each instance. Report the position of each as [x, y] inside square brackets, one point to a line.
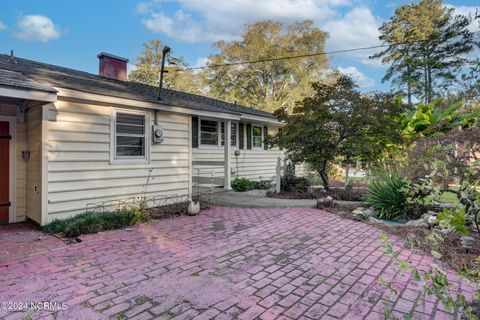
[257, 137]
[130, 135]
[209, 132]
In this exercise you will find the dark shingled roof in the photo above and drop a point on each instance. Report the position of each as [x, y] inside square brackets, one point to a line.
[17, 79]
[36, 75]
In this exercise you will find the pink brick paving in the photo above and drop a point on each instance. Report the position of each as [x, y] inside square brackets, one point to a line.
[227, 263]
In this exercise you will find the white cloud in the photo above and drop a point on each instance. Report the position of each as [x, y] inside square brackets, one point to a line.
[180, 26]
[37, 28]
[216, 20]
[2, 26]
[225, 20]
[357, 28]
[360, 78]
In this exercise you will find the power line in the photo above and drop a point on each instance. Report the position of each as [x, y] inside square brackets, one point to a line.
[307, 55]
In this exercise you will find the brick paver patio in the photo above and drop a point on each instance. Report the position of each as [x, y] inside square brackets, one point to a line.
[227, 263]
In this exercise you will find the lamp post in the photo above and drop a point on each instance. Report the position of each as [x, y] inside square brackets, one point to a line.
[165, 51]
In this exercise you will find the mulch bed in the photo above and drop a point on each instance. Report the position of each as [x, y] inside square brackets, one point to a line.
[341, 184]
[337, 193]
[453, 253]
[291, 195]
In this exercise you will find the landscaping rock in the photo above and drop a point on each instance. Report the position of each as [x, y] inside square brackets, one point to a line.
[326, 202]
[467, 242]
[432, 220]
[417, 223]
[362, 213]
[376, 221]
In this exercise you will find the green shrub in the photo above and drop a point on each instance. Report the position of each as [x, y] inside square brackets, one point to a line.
[263, 184]
[387, 196]
[243, 184]
[291, 183]
[93, 222]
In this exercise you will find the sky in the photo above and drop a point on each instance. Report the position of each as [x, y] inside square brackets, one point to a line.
[72, 33]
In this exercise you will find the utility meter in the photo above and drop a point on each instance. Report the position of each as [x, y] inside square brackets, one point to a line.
[157, 133]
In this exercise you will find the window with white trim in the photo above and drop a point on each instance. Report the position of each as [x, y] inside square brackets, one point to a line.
[208, 132]
[129, 136]
[257, 137]
[233, 134]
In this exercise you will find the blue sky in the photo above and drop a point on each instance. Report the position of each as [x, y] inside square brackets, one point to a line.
[72, 33]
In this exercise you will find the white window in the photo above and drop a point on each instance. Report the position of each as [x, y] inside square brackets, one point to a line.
[209, 132]
[233, 134]
[257, 137]
[129, 139]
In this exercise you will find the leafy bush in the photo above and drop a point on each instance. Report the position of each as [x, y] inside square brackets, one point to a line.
[386, 194]
[243, 184]
[263, 184]
[347, 194]
[93, 222]
[291, 183]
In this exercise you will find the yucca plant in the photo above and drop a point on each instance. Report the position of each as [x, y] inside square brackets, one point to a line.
[386, 194]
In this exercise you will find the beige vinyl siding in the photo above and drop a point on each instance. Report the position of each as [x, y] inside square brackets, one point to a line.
[34, 165]
[79, 168]
[255, 164]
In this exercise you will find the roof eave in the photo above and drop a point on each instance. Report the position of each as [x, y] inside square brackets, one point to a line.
[28, 93]
[120, 101]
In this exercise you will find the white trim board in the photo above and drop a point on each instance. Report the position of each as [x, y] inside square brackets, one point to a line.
[28, 94]
[12, 211]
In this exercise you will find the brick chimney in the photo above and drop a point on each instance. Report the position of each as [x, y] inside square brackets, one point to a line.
[112, 66]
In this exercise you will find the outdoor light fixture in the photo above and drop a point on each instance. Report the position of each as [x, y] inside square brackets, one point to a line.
[165, 52]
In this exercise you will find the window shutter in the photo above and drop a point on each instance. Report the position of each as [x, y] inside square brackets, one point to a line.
[241, 136]
[249, 136]
[265, 137]
[194, 132]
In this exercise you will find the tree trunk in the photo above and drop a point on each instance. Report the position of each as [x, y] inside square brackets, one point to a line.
[430, 92]
[425, 82]
[409, 93]
[324, 175]
[409, 85]
[347, 174]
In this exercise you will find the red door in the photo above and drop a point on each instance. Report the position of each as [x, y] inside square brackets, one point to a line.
[4, 171]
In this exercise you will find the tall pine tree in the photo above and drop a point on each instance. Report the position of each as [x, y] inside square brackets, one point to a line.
[427, 48]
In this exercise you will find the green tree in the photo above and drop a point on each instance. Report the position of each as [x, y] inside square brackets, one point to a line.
[427, 48]
[148, 65]
[338, 121]
[273, 84]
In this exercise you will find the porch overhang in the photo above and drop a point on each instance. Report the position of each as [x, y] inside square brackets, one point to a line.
[27, 94]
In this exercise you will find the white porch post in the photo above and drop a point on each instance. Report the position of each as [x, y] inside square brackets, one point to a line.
[227, 148]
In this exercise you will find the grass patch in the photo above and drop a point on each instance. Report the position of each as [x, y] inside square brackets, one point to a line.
[93, 222]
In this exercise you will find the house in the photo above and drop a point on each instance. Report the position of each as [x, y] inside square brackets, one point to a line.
[69, 138]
